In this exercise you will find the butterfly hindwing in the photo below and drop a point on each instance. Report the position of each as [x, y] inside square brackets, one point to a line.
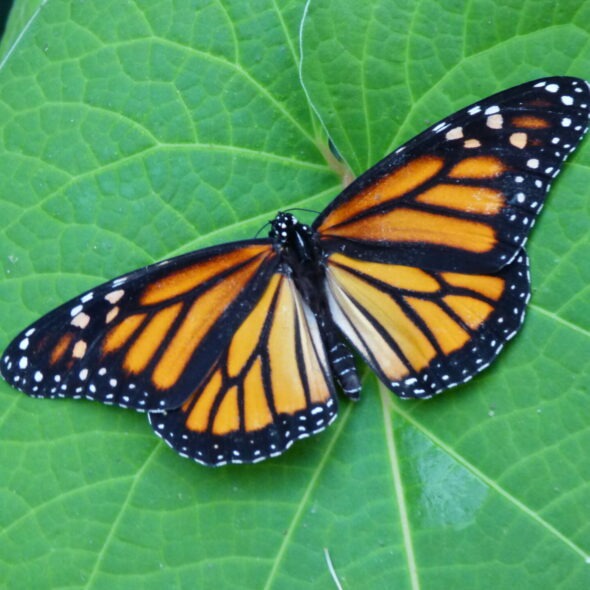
[464, 194]
[425, 331]
[271, 386]
[145, 339]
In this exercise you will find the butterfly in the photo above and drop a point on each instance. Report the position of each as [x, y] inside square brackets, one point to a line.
[237, 350]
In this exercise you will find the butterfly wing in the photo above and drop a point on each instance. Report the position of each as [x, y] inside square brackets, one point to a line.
[148, 338]
[464, 194]
[268, 388]
[426, 273]
[425, 331]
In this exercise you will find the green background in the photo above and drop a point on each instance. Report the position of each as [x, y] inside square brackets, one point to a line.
[134, 131]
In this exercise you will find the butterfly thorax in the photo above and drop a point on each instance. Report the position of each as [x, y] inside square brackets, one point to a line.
[299, 254]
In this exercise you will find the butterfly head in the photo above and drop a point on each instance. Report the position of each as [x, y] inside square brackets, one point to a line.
[282, 228]
[294, 240]
[286, 228]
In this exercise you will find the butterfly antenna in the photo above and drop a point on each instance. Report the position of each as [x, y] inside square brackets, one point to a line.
[261, 229]
[302, 209]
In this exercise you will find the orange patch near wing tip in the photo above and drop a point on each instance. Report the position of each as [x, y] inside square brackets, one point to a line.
[470, 199]
[478, 167]
[60, 348]
[398, 276]
[530, 122]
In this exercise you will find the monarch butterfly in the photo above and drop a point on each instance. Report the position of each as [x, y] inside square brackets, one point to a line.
[418, 265]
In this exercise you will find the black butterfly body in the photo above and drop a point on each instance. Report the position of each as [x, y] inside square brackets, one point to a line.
[418, 265]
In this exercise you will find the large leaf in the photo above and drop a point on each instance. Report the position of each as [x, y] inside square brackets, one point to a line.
[133, 131]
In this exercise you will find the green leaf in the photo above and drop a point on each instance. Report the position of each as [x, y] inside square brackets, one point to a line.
[131, 132]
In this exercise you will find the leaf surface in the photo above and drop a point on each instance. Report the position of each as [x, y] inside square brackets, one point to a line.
[131, 132]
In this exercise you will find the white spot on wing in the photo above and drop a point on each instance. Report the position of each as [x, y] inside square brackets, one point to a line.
[79, 349]
[113, 312]
[472, 143]
[495, 121]
[518, 140]
[114, 296]
[76, 310]
[455, 133]
[80, 320]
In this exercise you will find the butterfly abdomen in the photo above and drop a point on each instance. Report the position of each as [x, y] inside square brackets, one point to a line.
[303, 260]
[342, 363]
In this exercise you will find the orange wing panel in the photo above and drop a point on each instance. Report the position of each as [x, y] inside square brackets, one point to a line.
[387, 313]
[530, 122]
[390, 187]
[60, 348]
[470, 199]
[491, 287]
[257, 414]
[406, 225]
[478, 167]
[243, 344]
[149, 341]
[200, 413]
[274, 366]
[471, 311]
[180, 282]
[396, 275]
[410, 322]
[118, 336]
[227, 417]
[200, 317]
[363, 333]
[287, 385]
[448, 333]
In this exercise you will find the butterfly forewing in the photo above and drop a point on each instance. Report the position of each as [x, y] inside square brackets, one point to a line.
[268, 388]
[464, 194]
[146, 339]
